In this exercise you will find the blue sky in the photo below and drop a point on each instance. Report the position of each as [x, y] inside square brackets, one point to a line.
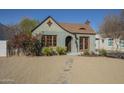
[69, 16]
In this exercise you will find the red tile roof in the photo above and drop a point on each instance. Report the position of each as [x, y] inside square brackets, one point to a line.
[78, 28]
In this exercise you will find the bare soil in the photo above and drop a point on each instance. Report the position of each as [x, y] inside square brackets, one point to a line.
[61, 70]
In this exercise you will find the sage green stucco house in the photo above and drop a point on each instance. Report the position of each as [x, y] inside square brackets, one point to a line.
[76, 37]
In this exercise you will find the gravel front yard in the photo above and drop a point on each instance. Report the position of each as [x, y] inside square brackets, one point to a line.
[61, 69]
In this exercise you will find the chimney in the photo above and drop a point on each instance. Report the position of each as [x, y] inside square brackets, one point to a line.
[87, 22]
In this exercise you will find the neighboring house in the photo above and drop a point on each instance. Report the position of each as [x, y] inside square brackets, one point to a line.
[3, 39]
[109, 43]
[76, 37]
[4, 32]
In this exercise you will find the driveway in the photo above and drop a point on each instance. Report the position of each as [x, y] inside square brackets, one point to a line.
[61, 70]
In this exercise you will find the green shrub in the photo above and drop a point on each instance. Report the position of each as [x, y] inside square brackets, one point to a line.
[86, 52]
[46, 51]
[102, 52]
[52, 51]
[92, 53]
[49, 51]
[61, 50]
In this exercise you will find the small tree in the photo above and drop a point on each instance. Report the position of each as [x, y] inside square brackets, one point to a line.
[26, 25]
[111, 27]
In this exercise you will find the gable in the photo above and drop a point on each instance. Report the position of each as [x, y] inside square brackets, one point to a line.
[49, 24]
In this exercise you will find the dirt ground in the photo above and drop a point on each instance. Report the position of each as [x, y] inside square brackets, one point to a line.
[61, 70]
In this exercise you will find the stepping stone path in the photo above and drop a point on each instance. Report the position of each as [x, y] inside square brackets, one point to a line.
[66, 71]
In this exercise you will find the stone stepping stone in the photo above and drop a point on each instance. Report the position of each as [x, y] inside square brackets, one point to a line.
[66, 70]
[68, 63]
[65, 82]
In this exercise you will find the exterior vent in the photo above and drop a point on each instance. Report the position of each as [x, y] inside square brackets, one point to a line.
[82, 28]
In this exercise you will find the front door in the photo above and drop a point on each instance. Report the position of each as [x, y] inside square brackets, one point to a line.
[68, 43]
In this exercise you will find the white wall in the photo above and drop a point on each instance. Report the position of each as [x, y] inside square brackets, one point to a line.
[3, 48]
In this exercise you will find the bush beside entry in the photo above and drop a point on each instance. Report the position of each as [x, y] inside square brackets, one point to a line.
[50, 51]
[61, 50]
[102, 52]
[86, 52]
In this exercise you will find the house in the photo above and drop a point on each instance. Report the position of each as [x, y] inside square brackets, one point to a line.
[76, 37]
[109, 44]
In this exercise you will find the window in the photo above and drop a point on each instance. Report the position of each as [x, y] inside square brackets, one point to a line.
[122, 43]
[97, 38]
[110, 42]
[102, 40]
[81, 43]
[49, 40]
[84, 43]
[54, 40]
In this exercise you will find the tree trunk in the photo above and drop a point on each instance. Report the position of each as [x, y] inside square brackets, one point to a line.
[117, 46]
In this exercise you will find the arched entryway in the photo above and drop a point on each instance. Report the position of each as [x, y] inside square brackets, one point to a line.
[68, 40]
